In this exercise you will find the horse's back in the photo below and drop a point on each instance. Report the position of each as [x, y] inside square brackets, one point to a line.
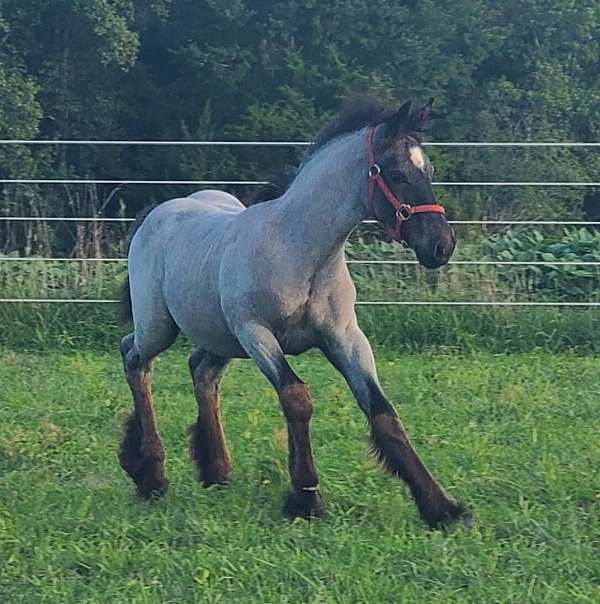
[214, 200]
[199, 205]
[199, 212]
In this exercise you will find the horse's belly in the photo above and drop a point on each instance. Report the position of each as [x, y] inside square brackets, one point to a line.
[298, 344]
[201, 320]
[296, 338]
[224, 344]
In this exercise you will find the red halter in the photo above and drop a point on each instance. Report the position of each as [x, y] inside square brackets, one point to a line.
[403, 210]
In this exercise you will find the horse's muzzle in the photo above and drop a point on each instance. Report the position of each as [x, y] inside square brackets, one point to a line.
[438, 252]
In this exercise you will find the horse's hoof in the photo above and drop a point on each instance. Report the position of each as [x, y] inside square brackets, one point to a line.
[207, 484]
[217, 474]
[304, 504]
[148, 476]
[467, 520]
[153, 490]
[452, 516]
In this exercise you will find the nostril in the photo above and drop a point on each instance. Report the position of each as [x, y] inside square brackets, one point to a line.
[439, 250]
[443, 249]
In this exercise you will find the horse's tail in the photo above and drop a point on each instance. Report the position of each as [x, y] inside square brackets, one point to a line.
[125, 313]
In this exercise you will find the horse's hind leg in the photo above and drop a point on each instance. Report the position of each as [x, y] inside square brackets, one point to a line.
[208, 448]
[141, 454]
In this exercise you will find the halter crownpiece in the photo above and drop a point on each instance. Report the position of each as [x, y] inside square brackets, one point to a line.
[403, 210]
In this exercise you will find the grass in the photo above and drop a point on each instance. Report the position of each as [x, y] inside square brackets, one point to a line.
[514, 436]
[408, 328]
[75, 327]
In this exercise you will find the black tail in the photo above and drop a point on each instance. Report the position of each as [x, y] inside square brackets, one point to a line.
[124, 313]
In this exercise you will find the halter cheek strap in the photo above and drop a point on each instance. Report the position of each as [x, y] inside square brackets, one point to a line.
[403, 210]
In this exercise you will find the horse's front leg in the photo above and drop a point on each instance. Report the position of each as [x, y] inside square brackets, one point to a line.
[264, 349]
[350, 352]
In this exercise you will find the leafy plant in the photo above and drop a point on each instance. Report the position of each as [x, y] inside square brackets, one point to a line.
[564, 276]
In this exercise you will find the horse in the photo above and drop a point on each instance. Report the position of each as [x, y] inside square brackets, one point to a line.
[271, 280]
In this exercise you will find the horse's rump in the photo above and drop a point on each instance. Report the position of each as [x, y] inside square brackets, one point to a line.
[207, 202]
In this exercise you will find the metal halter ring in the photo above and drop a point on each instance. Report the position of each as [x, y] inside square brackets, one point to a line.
[403, 213]
[374, 171]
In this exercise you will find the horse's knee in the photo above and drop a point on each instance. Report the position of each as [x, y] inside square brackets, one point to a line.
[141, 346]
[296, 402]
[207, 371]
[126, 345]
[136, 360]
[194, 361]
[132, 359]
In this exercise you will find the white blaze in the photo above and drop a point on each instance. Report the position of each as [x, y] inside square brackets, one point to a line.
[416, 157]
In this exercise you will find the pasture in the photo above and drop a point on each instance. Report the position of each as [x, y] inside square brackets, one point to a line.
[492, 362]
[513, 436]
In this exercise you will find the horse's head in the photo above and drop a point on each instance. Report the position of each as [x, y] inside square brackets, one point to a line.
[406, 172]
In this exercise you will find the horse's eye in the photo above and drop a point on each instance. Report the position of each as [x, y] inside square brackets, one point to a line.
[398, 176]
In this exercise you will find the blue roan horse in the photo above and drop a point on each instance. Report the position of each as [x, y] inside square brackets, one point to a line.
[271, 280]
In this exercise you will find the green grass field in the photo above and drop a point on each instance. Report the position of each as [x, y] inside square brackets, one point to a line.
[513, 436]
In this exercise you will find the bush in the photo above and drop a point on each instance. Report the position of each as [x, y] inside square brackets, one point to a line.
[570, 282]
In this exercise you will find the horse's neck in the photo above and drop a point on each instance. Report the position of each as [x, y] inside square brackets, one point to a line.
[327, 200]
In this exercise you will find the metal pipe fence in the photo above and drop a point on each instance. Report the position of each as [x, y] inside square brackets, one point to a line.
[285, 143]
[101, 219]
[94, 181]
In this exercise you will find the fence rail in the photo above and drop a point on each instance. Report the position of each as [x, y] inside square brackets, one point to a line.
[482, 222]
[226, 182]
[367, 262]
[93, 181]
[286, 143]
[359, 303]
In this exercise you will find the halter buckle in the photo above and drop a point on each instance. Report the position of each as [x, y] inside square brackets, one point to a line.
[404, 212]
[374, 171]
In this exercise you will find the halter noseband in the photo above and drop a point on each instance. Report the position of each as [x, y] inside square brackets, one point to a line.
[403, 210]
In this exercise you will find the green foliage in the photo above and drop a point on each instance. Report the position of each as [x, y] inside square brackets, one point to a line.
[559, 281]
[171, 69]
[110, 21]
[177, 69]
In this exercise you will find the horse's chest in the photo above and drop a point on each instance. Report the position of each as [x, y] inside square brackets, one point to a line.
[296, 332]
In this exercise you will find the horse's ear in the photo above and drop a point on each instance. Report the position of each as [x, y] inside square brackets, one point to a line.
[396, 124]
[418, 118]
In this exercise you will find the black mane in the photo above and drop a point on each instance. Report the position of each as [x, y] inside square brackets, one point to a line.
[356, 112]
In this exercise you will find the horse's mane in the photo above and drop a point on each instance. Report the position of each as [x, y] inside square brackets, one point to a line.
[357, 111]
